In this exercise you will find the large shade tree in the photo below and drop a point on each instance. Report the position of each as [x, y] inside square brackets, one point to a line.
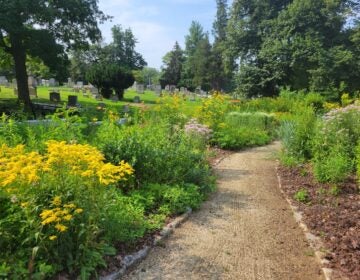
[45, 29]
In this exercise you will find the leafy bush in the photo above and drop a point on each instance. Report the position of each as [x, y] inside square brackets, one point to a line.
[241, 130]
[157, 155]
[213, 110]
[233, 138]
[296, 134]
[334, 144]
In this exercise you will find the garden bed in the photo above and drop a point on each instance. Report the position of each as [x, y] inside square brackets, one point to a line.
[331, 212]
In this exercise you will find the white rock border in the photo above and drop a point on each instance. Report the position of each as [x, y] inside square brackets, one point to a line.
[130, 260]
[314, 241]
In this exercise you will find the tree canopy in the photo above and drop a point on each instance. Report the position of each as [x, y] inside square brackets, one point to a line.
[45, 29]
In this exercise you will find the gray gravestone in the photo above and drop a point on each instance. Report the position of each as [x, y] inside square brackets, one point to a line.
[172, 88]
[140, 88]
[114, 98]
[126, 109]
[52, 82]
[137, 99]
[33, 92]
[158, 90]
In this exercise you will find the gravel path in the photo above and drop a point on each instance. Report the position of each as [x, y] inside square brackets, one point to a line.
[245, 231]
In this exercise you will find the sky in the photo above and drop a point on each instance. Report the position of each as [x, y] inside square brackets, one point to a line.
[157, 24]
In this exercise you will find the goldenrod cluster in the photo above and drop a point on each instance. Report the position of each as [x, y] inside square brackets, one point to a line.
[212, 109]
[15, 164]
[83, 160]
[59, 215]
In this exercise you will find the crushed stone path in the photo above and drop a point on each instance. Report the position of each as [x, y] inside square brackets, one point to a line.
[245, 230]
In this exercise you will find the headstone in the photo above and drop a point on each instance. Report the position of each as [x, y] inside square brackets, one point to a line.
[79, 84]
[52, 82]
[192, 96]
[33, 92]
[32, 81]
[126, 109]
[3, 80]
[198, 90]
[72, 101]
[182, 90]
[134, 85]
[55, 97]
[114, 98]
[172, 88]
[70, 83]
[137, 99]
[167, 88]
[158, 90]
[140, 88]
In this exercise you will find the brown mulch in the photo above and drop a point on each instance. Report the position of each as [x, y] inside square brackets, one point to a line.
[334, 218]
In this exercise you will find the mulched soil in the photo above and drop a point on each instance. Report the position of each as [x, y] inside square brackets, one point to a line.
[334, 218]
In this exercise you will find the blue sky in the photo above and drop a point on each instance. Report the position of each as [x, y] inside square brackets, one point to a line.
[157, 24]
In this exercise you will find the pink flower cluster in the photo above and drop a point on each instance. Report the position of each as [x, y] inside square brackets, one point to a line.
[193, 127]
[337, 113]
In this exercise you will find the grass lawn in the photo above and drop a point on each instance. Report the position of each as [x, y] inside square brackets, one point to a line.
[8, 101]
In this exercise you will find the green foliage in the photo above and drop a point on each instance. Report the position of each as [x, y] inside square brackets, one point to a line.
[302, 196]
[157, 155]
[297, 132]
[334, 144]
[173, 65]
[73, 24]
[244, 130]
[304, 44]
[108, 77]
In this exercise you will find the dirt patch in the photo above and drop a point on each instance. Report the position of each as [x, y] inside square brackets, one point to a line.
[335, 218]
[246, 230]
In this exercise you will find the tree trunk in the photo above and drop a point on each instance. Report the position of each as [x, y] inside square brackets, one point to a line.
[120, 93]
[19, 55]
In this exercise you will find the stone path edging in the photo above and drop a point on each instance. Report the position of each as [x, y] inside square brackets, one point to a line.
[135, 258]
[315, 242]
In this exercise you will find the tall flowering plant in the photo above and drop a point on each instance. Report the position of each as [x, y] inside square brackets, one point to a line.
[54, 203]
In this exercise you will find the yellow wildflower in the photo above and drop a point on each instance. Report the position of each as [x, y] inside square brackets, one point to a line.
[78, 211]
[53, 237]
[49, 220]
[61, 227]
[56, 201]
[70, 205]
[24, 204]
[46, 213]
[68, 217]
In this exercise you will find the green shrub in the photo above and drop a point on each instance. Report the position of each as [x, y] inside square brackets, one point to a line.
[297, 133]
[157, 155]
[241, 130]
[238, 138]
[334, 144]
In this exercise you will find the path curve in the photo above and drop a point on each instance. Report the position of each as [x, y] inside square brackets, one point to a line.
[245, 231]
